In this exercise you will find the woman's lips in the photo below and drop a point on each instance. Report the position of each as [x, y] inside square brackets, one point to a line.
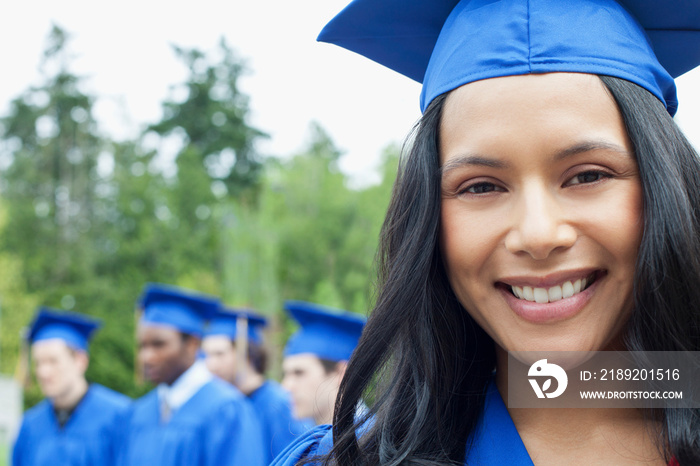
[541, 313]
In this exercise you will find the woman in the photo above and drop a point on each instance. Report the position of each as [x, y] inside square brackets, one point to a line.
[547, 202]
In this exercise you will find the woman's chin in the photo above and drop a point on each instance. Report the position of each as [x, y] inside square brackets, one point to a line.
[557, 345]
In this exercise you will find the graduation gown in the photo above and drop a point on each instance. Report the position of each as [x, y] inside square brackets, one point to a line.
[495, 441]
[215, 427]
[88, 438]
[272, 406]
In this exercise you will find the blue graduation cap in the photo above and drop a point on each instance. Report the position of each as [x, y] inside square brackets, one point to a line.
[184, 310]
[225, 322]
[73, 328]
[447, 43]
[328, 333]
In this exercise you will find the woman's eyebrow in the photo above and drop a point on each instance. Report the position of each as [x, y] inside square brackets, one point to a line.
[588, 146]
[471, 159]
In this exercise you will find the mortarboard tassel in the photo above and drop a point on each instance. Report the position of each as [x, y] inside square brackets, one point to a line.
[241, 346]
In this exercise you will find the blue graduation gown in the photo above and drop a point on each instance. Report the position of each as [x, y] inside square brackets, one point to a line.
[88, 438]
[495, 441]
[272, 406]
[215, 427]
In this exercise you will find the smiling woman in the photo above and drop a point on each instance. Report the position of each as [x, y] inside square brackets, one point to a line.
[547, 202]
[547, 207]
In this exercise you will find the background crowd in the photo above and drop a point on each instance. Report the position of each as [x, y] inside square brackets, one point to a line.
[212, 404]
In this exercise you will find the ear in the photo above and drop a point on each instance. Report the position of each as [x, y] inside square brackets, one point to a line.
[192, 345]
[82, 360]
[340, 368]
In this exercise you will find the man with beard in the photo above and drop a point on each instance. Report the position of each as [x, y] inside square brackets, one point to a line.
[191, 417]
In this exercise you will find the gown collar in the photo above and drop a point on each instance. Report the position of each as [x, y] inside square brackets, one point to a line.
[185, 386]
[495, 440]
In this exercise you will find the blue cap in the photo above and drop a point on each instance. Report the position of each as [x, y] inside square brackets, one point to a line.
[328, 333]
[73, 328]
[186, 311]
[447, 43]
[225, 322]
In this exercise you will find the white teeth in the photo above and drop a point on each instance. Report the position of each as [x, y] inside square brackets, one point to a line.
[555, 293]
[541, 295]
[550, 295]
[518, 292]
[567, 290]
[577, 286]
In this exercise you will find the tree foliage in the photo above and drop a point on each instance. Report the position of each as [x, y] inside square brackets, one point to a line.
[212, 120]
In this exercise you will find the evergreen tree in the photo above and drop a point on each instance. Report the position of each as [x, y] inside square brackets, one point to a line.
[213, 120]
[52, 141]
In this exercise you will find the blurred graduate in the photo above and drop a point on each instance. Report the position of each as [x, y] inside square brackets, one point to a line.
[191, 417]
[235, 351]
[75, 425]
[316, 356]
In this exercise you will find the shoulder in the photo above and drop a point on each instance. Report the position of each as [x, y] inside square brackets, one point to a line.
[270, 393]
[317, 441]
[144, 410]
[35, 421]
[145, 402]
[218, 398]
[38, 412]
[148, 398]
[108, 396]
[218, 391]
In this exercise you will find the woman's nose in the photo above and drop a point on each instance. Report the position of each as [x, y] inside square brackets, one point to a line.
[540, 225]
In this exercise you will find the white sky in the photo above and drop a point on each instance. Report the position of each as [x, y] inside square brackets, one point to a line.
[123, 49]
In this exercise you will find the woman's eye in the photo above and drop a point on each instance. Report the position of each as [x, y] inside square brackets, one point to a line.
[588, 177]
[481, 188]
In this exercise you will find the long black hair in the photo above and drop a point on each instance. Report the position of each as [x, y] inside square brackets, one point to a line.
[427, 362]
[666, 315]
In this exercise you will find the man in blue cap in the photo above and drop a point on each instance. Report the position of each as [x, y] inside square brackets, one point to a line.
[76, 422]
[191, 417]
[316, 356]
[234, 351]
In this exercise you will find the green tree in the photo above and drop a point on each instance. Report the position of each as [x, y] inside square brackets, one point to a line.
[327, 233]
[13, 296]
[52, 141]
[218, 174]
[213, 120]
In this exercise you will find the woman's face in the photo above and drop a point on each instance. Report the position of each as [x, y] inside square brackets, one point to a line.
[541, 213]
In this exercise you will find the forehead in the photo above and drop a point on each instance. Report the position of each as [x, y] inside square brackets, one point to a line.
[149, 332]
[54, 347]
[304, 362]
[550, 90]
[537, 113]
[217, 343]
